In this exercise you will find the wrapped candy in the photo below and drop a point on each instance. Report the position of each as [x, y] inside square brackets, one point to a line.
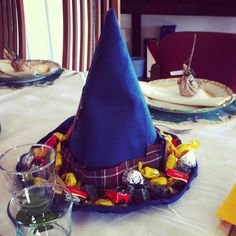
[117, 197]
[91, 190]
[69, 179]
[170, 146]
[179, 164]
[38, 180]
[52, 141]
[78, 195]
[140, 195]
[132, 176]
[104, 202]
[55, 141]
[24, 163]
[183, 168]
[148, 172]
[184, 148]
[175, 174]
[188, 159]
[31, 160]
[171, 161]
[160, 191]
[159, 180]
[37, 162]
[176, 183]
[59, 159]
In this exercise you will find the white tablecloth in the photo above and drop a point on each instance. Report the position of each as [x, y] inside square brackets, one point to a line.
[29, 113]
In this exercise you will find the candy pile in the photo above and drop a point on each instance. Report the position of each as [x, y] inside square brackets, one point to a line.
[139, 185]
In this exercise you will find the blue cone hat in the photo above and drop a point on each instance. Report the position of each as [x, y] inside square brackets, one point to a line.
[112, 133]
[114, 123]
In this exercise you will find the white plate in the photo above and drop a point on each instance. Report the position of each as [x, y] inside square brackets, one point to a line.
[212, 88]
[54, 71]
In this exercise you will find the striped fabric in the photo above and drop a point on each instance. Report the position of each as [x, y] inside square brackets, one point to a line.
[112, 177]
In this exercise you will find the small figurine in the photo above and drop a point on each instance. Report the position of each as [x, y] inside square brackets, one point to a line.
[188, 85]
[16, 63]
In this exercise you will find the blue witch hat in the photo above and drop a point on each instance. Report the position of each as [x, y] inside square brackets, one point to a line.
[114, 124]
[112, 132]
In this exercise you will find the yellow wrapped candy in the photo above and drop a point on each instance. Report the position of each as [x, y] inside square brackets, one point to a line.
[58, 157]
[38, 180]
[169, 145]
[58, 161]
[159, 180]
[69, 179]
[171, 161]
[103, 202]
[38, 152]
[183, 148]
[61, 137]
[148, 172]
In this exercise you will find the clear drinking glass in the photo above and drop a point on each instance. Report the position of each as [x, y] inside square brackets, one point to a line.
[26, 165]
[49, 217]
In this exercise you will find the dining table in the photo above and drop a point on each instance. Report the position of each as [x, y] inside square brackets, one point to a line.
[29, 113]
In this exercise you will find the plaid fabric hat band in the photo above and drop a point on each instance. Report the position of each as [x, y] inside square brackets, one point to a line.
[112, 177]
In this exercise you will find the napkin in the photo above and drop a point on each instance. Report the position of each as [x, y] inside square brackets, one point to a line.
[113, 131]
[114, 124]
[171, 94]
[227, 211]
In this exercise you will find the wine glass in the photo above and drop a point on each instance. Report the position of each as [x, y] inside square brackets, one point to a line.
[26, 165]
[36, 217]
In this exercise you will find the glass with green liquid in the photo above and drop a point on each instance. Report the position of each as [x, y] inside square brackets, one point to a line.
[43, 210]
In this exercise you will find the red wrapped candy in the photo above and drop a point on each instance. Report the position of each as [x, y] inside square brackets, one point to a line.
[117, 197]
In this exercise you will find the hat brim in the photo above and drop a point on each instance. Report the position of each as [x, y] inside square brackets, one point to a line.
[127, 209]
[63, 128]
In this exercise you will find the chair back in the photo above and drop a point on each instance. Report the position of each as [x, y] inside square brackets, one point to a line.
[12, 27]
[214, 56]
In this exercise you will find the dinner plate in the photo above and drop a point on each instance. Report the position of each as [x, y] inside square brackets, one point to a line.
[54, 71]
[212, 88]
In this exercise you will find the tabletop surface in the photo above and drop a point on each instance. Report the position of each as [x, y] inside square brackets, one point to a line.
[28, 114]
